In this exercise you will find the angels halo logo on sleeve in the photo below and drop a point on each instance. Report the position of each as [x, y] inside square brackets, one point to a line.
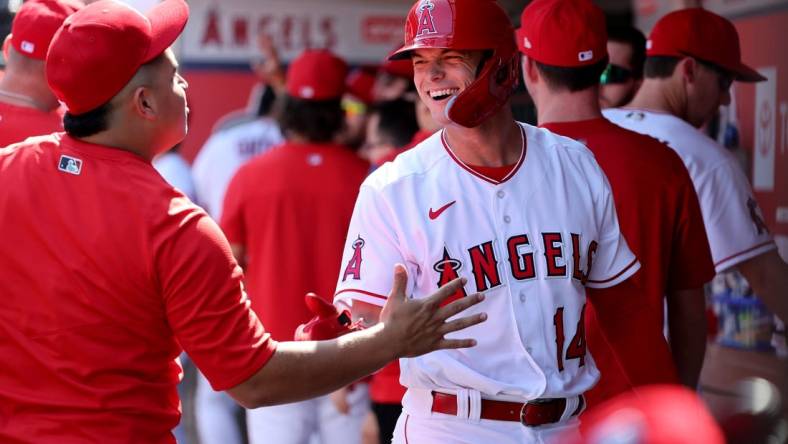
[353, 268]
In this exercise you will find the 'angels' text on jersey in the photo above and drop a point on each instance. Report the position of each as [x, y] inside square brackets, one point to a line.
[564, 256]
[531, 242]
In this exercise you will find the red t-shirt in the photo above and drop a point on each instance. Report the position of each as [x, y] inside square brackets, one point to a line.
[290, 208]
[107, 272]
[384, 386]
[660, 218]
[17, 123]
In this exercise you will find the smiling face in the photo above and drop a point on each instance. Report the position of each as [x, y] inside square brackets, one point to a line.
[440, 74]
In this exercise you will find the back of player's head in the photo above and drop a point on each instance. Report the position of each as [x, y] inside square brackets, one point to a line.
[397, 122]
[697, 33]
[100, 48]
[316, 74]
[36, 23]
[567, 40]
[312, 107]
[634, 38]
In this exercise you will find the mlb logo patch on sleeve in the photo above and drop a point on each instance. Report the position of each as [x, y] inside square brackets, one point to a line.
[70, 165]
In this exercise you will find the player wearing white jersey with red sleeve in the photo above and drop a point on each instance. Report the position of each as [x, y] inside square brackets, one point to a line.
[525, 215]
[687, 77]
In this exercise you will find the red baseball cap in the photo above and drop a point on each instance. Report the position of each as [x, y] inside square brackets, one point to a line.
[567, 33]
[36, 22]
[317, 74]
[698, 33]
[657, 414]
[455, 24]
[100, 48]
[360, 82]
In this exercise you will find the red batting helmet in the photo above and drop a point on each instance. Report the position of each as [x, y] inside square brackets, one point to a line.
[468, 25]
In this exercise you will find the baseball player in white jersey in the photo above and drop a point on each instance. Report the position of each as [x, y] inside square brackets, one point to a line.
[526, 215]
[687, 78]
[225, 152]
[215, 164]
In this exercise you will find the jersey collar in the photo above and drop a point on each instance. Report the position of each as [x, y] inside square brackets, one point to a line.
[469, 169]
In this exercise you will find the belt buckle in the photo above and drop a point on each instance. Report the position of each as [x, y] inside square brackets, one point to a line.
[525, 407]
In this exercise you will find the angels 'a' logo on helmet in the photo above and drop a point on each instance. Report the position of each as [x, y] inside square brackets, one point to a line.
[426, 22]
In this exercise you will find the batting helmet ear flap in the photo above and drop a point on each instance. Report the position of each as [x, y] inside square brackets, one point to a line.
[485, 96]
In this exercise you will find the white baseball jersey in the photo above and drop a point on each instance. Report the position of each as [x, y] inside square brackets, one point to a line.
[224, 153]
[530, 242]
[733, 220]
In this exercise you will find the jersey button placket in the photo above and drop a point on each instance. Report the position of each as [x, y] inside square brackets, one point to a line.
[501, 194]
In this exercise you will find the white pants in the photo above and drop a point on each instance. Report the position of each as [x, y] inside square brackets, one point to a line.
[216, 415]
[445, 429]
[312, 421]
[419, 425]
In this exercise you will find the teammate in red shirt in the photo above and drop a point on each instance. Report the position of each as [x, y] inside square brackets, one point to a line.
[27, 106]
[286, 214]
[308, 181]
[655, 201]
[108, 272]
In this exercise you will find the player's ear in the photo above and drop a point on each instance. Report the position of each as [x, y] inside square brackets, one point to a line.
[528, 68]
[144, 102]
[6, 44]
[688, 68]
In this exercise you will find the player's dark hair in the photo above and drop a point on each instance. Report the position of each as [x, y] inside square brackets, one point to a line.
[660, 67]
[315, 120]
[89, 123]
[397, 124]
[266, 101]
[97, 119]
[633, 37]
[572, 79]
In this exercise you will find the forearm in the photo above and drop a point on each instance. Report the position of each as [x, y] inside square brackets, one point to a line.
[767, 274]
[408, 328]
[687, 329]
[302, 370]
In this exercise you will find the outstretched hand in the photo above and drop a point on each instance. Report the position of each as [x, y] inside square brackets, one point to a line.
[419, 326]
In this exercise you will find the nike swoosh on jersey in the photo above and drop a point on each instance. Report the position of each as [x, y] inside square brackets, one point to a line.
[434, 214]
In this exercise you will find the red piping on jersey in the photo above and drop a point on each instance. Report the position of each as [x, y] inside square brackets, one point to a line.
[482, 176]
[368, 293]
[743, 252]
[631, 264]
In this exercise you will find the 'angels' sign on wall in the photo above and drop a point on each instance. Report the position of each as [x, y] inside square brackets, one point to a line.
[226, 32]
